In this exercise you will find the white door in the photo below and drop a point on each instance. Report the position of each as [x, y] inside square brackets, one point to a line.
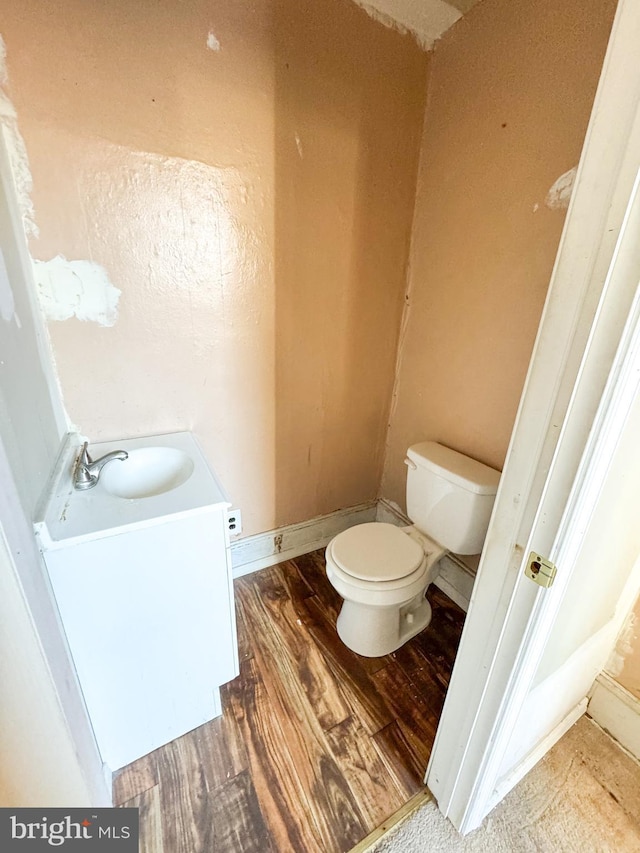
[529, 655]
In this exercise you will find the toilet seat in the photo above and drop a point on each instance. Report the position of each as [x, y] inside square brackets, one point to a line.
[375, 592]
[377, 553]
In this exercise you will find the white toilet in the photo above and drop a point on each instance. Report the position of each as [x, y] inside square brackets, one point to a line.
[383, 571]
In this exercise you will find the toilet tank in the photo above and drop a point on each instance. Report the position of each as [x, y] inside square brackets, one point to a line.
[450, 496]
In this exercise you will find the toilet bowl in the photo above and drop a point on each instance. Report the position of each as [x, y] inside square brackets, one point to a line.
[382, 571]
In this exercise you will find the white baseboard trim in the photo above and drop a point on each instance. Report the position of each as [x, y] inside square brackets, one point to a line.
[511, 779]
[254, 553]
[616, 711]
[456, 581]
[263, 550]
[390, 513]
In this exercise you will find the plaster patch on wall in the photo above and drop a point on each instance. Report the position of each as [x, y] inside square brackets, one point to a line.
[388, 21]
[624, 646]
[76, 289]
[16, 149]
[212, 42]
[426, 20]
[559, 195]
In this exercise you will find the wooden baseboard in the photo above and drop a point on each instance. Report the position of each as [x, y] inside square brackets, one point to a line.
[616, 711]
[254, 553]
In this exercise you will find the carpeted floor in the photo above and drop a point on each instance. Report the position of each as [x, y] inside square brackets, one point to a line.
[584, 796]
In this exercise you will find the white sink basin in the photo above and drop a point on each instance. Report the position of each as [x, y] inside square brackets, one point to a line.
[147, 472]
[164, 476]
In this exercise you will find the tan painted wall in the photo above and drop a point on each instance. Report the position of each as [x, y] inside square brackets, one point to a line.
[252, 203]
[510, 92]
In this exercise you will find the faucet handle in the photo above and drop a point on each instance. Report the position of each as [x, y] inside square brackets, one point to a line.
[84, 458]
[82, 477]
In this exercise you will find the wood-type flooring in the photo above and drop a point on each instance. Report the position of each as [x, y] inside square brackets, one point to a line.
[316, 746]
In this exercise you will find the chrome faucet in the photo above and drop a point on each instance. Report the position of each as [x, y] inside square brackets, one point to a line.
[87, 472]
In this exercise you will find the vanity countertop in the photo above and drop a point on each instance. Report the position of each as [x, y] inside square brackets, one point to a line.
[68, 516]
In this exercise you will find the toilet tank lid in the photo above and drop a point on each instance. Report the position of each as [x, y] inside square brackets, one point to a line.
[455, 467]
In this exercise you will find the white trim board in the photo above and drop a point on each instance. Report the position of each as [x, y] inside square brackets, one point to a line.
[254, 553]
[456, 580]
[616, 711]
[508, 782]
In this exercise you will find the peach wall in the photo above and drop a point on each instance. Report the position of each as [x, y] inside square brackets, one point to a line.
[510, 93]
[252, 203]
[348, 127]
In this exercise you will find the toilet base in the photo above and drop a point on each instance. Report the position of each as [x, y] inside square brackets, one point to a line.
[373, 631]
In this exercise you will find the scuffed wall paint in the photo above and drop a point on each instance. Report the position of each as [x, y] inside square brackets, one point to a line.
[16, 148]
[625, 666]
[76, 289]
[624, 646]
[559, 194]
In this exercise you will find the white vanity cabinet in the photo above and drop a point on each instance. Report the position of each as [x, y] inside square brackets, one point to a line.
[148, 612]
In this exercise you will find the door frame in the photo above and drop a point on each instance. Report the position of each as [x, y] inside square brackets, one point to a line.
[583, 373]
[34, 626]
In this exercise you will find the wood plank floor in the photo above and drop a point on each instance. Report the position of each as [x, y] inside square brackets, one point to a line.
[316, 747]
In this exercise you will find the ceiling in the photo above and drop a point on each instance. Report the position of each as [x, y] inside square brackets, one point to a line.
[427, 20]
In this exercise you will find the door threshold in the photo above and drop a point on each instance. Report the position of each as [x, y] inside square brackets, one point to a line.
[419, 799]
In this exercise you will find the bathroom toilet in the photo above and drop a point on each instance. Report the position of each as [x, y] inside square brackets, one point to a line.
[382, 571]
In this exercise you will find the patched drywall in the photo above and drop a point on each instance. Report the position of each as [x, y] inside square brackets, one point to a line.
[559, 194]
[76, 289]
[212, 42]
[65, 288]
[510, 94]
[624, 646]
[246, 180]
[426, 20]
